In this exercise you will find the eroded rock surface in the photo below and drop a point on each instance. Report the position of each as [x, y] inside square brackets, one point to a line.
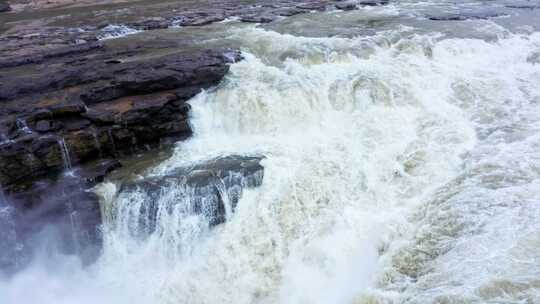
[60, 206]
[100, 105]
[69, 110]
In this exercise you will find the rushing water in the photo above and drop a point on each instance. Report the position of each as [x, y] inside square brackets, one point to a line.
[401, 166]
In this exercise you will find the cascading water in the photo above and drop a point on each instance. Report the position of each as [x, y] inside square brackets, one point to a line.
[23, 126]
[401, 167]
[8, 234]
[66, 158]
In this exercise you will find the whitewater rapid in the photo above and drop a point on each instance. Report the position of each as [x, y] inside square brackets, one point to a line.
[401, 167]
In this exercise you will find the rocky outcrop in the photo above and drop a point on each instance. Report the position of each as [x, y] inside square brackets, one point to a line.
[86, 109]
[346, 6]
[479, 15]
[210, 185]
[373, 2]
[70, 112]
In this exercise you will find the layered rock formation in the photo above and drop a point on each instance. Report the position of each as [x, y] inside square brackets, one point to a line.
[95, 104]
[68, 114]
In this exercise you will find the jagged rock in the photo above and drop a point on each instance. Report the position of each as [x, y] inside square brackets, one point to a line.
[44, 126]
[200, 19]
[150, 24]
[287, 12]
[256, 19]
[373, 2]
[318, 6]
[97, 172]
[21, 57]
[346, 6]
[465, 16]
[524, 5]
[124, 106]
[66, 109]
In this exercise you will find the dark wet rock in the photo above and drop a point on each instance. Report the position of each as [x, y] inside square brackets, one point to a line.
[200, 18]
[99, 117]
[22, 56]
[40, 114]
[4, 7]
[66, 109]
[78, 111]
[96, 173]
[346, 6]
[44, 126]
[63, 203]
[287, 12]
[207, 182]
[465, 16]
[257, 19]
[373, 2]
[150, 24]
[125, 106]
[316, 6]
[524, 5]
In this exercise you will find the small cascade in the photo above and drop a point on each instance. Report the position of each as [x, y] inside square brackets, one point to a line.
[23, 126]
[3, 199]
[9, 255]
[65, 154]
[116, 31]
[74, 225]
[190, 201]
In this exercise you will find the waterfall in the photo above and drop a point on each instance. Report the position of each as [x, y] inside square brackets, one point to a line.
[400, 166]
[357, 159]
[9, 256]
[66, 158]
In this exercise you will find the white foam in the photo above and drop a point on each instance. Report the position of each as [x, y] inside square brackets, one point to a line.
[112, 31]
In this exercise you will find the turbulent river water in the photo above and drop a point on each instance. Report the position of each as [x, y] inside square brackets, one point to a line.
[402, 165]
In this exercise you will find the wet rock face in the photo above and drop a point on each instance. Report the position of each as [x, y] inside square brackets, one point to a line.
[4, 7]
[61, 204]
[210, 186]
[373, 2]
[346, 6]
[98, 109]
[479, 15]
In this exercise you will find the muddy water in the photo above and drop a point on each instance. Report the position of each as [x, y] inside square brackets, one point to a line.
[401, 166]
